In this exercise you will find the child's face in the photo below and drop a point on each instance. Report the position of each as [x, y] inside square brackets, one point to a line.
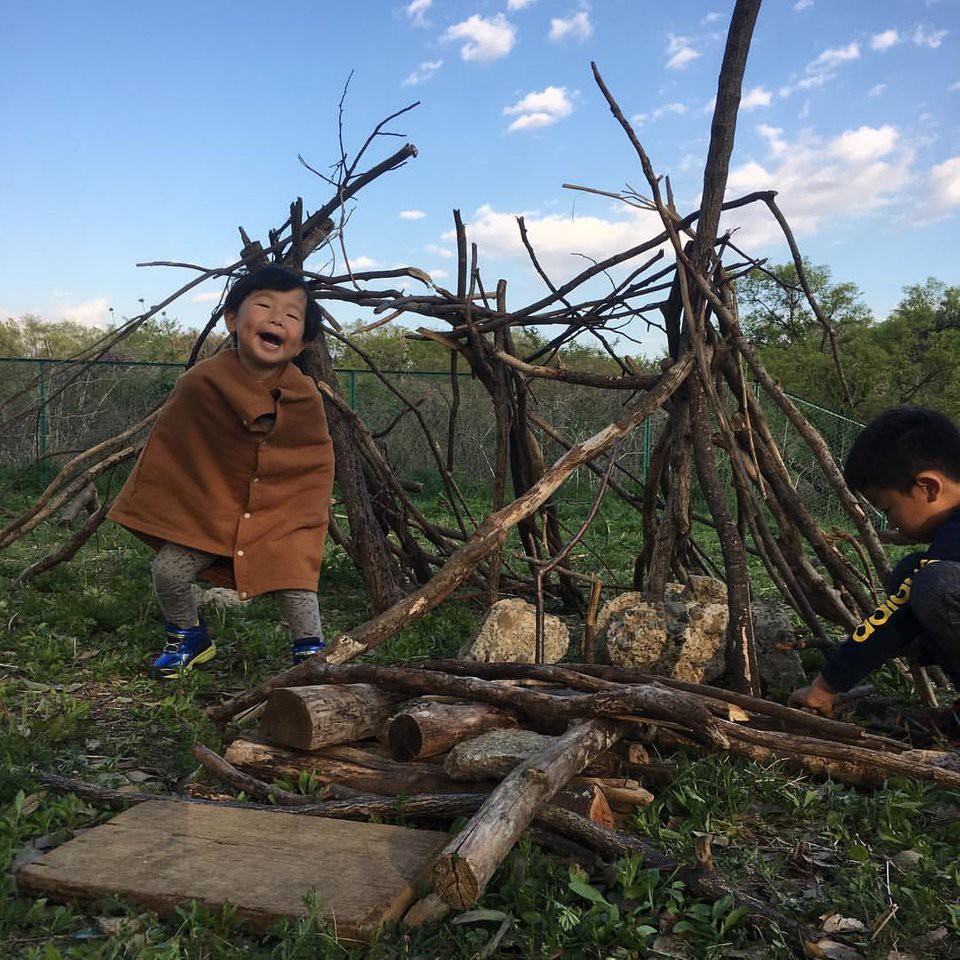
[269, 329]
[916, 513]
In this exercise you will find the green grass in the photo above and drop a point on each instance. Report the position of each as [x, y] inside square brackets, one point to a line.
[77, 702]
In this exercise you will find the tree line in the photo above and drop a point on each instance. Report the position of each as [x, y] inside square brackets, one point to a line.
[911, 356]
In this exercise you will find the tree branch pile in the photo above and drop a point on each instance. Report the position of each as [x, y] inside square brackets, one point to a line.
[682, 280]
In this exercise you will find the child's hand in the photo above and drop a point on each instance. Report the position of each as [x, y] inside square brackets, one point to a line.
[818, 697]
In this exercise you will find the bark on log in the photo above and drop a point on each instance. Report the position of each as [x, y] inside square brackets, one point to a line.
[345, 765]
[308, 718]
[494, 754]
[428, 728]
[463, 869]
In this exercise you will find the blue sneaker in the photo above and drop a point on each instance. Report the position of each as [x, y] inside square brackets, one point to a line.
[306, 647]
[185, 647]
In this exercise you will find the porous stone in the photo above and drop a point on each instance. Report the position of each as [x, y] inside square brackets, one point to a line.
[494, 754]
[508, 633]
[777, 656]
[682, 636]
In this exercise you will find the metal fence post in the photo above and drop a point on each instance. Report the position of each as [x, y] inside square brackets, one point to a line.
[42, 417]
[352, 390]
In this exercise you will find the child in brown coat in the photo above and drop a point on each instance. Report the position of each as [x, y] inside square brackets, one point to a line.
[234, 482]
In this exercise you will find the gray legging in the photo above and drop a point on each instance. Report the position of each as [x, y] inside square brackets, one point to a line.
[174, 570]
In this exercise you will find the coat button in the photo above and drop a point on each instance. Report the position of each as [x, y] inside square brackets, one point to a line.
[256, 479]
[243, 594]
[246, 516]
[239, 553]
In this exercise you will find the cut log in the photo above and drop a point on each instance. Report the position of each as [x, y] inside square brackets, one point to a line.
[426, 728]
[344, 765]
[461, 872]
[622, 795]
[308, 718]
[589, 801]
[494, 754]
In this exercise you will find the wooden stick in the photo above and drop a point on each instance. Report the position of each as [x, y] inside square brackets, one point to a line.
[463, 869]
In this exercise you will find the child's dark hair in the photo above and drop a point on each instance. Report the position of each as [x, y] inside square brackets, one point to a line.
[900, 443]
[273, 277]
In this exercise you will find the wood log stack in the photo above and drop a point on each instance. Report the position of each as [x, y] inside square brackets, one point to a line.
[559, 750]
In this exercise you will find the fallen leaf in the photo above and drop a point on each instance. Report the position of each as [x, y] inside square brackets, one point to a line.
[479, 916]
[830, 950]
[834, 923]
[669, 946]
[119, 926]
[32, 802]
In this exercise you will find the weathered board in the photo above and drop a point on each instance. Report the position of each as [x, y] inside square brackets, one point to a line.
[163, 854]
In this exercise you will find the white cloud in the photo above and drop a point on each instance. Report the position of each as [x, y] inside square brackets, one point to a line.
[519, 4]
[945, 182]
[933, 39]
[438, 274]
[540, 109]
[680, 52]
[822, 181]
[885, 40]
[865, 143]
[578, 26]
[90, 313]
[412, 214]
[424, 72]
[555, 238]
[437, 250]
[876, 90]
[954, 87]
[832, 57]
[486, 39]
[757, 97]
[774, 138]
[207, 296]
[711, 18]
[822, 69]
[641, 118]
[802, 4]
[363, 263]
[416, 10]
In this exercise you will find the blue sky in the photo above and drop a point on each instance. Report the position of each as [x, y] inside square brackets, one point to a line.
[134, 132]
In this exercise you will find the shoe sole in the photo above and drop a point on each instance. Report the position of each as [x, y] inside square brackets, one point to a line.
[203, 657]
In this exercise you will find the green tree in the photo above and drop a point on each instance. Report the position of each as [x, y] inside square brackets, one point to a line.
[793, 344]
[914, 355]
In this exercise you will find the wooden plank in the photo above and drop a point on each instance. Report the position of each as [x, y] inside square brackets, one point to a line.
[162, 855]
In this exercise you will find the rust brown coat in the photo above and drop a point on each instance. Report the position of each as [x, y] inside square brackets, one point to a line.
[206, 480]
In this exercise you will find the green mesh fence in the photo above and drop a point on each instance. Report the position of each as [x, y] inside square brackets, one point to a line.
[53, 409]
